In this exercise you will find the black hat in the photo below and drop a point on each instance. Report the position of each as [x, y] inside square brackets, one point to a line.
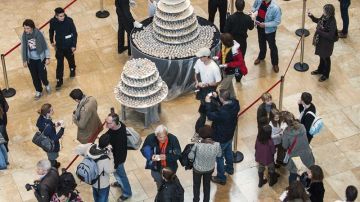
[104, 140]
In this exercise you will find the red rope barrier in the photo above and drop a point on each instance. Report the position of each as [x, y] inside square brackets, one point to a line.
[91, 139]
[292, 57]
[42, 26]
[252, 104]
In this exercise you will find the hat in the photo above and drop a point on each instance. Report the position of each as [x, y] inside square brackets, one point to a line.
[104, 140]
[203, 52]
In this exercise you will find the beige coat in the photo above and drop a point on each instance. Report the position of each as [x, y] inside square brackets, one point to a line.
[89, 121]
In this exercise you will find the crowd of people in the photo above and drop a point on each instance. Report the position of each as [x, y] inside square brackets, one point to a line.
[281, 136]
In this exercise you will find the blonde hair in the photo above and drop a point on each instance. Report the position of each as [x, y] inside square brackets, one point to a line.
[266, 97]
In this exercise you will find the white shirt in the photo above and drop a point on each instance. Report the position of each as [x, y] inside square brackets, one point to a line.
[208, 73]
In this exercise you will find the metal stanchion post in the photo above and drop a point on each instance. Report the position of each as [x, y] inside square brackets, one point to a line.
[301, 66]
[238, 156]
[281, 92]
[102, 13]
[302, 31]
[8, 92]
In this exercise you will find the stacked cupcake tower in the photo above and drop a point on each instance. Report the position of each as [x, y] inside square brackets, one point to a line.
[174, 32]
[140, 85]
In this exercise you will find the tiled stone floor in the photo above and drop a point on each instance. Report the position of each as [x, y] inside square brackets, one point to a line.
[99, 66]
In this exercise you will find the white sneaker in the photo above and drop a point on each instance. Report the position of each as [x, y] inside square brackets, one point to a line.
[48, 89]
[138, 25]
[37, 95]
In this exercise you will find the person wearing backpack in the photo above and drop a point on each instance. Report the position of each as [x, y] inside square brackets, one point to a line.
[305, 109]
[204, 156]
[170, 189]
[324, 38]
[66, 190]
[48, 181]
[48, 127]
[118, 141]
[161, 149]
[96, 168]
[294, 139]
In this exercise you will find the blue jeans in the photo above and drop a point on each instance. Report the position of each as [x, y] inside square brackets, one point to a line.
[101, 195]
[229, 160]
[121, 178]
[3, 157]
[344, 10]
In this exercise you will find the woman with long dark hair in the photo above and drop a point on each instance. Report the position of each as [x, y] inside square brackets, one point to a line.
[324, 38]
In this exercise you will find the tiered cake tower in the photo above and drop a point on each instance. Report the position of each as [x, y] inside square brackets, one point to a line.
[175, 22]
[140, 85]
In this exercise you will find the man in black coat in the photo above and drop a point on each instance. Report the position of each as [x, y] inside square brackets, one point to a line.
[126, 23]
[238, 24]
[224, 121]
[65, 43]
[118, 141]
[48, 182]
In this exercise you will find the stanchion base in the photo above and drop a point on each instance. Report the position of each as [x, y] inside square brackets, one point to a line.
[238, 156]
[8, 92]
[300, 32]
[301, 67]
[102, 14]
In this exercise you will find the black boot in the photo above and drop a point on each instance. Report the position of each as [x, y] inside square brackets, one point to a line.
[273, 178]
[59, 83]
[72, 73]
[55, 164]
[262, 181]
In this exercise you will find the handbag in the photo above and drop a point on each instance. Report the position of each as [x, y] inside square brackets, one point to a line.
[43, 141]
[133, 139]
[288, 152]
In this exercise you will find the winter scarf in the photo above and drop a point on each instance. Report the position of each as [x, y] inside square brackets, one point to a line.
[40, 43]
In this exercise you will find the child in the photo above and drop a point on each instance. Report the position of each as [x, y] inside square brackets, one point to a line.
[264, 155]
[278, 127]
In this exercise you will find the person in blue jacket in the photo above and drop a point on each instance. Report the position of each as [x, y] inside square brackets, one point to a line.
[161, 149]
[48, 127]
[224, 121]
[268, 18]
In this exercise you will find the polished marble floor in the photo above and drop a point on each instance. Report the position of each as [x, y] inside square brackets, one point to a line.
[99, 66]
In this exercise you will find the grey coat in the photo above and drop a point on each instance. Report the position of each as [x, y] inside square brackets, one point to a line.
[301, 148]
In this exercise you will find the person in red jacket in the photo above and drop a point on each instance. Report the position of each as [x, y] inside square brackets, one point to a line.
[231, 60]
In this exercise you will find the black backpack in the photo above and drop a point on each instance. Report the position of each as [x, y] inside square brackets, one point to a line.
[67, 181]
[184, 159]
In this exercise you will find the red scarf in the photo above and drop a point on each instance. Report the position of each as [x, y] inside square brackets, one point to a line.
[163, 151]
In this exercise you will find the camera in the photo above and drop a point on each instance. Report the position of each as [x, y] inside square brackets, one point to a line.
[29, 186]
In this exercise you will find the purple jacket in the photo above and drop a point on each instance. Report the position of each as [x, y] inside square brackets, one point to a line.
[264, 153]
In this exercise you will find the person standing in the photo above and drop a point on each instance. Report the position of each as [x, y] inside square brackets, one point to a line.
[118, 142]
[267, 20]
[48, 181]
[171, 189]
[231, 61]
[4, 107]
[238, 24]
[213, 6]
[264, 155]
[344, 10]
[224, 121]
[307, 111]
[161, 149]
[36, 56]
[314, 183]
[48, 127]
[324, 38]
[294, 139]
[265, 108]
[64, 44]
[207, 78]
[85, 116]
[204, 155]
[126, 23]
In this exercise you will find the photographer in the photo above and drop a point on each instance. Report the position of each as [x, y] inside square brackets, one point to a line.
[48, 127]
[47, 183]
[207, 78]
[224, 121]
